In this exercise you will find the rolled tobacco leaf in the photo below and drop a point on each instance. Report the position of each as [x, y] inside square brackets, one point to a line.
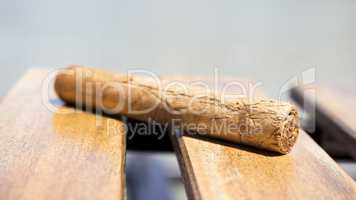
[261, 122]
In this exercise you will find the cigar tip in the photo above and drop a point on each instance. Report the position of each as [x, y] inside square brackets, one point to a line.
[289, 132]
[63, 83]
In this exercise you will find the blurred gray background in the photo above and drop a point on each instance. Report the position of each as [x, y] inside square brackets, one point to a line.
[268, 41]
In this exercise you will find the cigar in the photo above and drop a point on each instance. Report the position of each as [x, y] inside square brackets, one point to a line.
[260, 122]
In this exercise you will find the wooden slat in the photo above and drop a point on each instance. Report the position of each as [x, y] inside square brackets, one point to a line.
[218, 170]
[58, 154]
[335, 109]
[214, 169]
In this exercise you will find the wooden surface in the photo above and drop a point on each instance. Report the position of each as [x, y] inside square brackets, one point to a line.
[335, 109]
[217, 170]
[58, 154]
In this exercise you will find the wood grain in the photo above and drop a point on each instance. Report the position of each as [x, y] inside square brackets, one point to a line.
[217, 170]
[57, 154]
[220, 170]
[335, 109]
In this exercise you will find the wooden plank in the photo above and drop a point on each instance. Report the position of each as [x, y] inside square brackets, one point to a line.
[335, 109]
[219, 170]
[58, 154]
[214, 169]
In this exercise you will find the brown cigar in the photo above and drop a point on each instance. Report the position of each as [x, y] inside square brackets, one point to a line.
[262, 123]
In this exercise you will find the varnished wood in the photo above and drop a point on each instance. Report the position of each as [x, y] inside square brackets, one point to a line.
[214, 169]
[57, 154]
[335, 111]
[217, 170]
